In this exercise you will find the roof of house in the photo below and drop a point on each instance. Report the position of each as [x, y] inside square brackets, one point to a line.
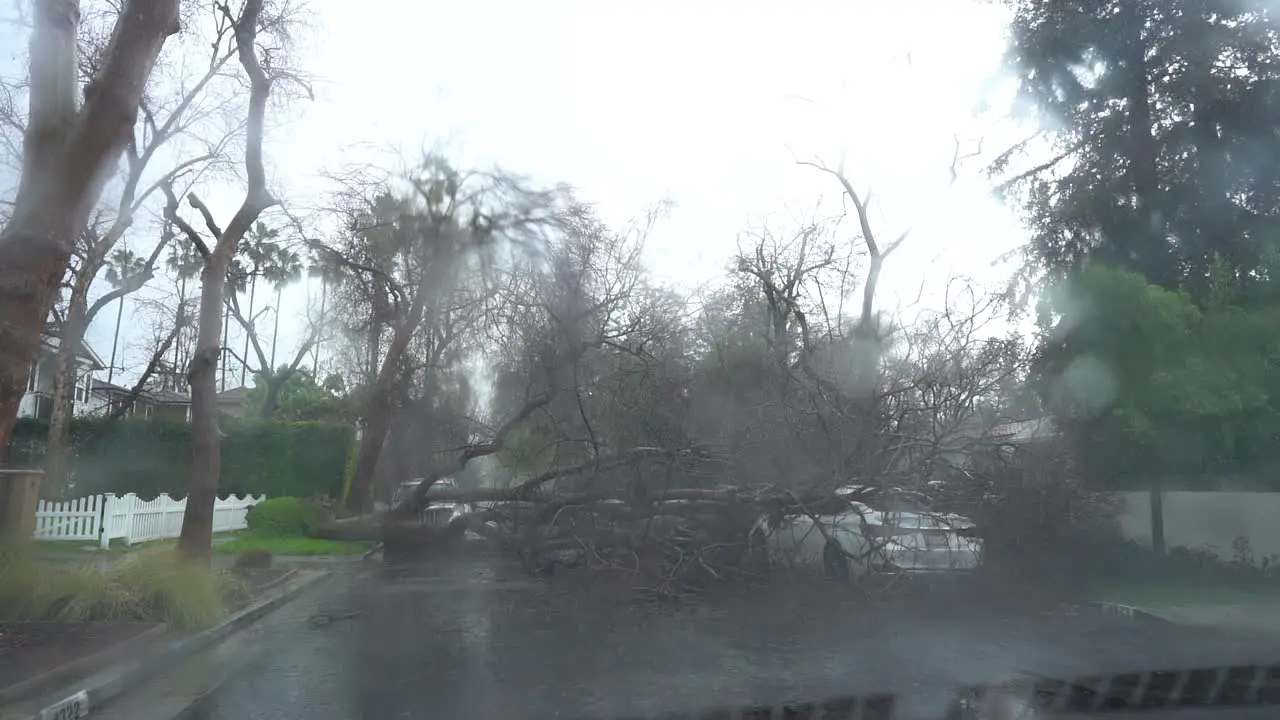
[234, 395]
[155, 396]
[1026, 430]
[161, 396]
[53, 338]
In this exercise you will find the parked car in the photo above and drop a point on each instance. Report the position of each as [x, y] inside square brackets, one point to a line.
[861, 540]
[433, 513]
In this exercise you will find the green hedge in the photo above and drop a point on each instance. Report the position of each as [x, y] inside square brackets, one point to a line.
[287, 516]
[150, 457]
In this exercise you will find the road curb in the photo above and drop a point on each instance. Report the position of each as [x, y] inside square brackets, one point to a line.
[65, 675]
[97, 690]
[196, 707]
[51, 680]
[1126, 612]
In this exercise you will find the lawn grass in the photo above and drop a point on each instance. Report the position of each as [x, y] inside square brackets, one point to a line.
[79, 547]
[117, 547]
[288, 545]
[1156, 594]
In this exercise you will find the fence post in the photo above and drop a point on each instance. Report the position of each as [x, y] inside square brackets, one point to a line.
[130, 503]
[104, 516]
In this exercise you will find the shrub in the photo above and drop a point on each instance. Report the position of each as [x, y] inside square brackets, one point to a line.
[253, 559]
[150, 586]
[1038, 522]
[286, 516]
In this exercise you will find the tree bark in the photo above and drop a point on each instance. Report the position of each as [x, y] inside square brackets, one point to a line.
[1156, 499]
[275, 334]
[206, 439]
[67, 157]
[226, 326]
[196, 539]
[58, 447]
[1154, 257]
[244, 367]
[115, 340]
[381, 407]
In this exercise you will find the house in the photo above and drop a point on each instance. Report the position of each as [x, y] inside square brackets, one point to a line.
[232, 403]
[976, 433]
[37, 402]
[163, 402]
[1026, 431]
[158, 403]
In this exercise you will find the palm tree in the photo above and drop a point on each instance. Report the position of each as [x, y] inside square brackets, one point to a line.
[284, 268]
[257, 250]
[185, 263]
[329, 274]
[122, 264]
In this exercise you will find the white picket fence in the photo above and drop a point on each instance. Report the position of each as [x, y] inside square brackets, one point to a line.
[103, 518]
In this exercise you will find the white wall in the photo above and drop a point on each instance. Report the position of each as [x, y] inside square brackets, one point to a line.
[95, 404]
[1210, 521]
[27, 406]
[44, 372]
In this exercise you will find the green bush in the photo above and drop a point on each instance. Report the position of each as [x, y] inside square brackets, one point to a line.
[150, 457]
[286, 516]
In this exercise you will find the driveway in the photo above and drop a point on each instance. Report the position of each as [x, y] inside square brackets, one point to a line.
[481, 640]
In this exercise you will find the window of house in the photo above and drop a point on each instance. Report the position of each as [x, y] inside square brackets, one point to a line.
[31, 379]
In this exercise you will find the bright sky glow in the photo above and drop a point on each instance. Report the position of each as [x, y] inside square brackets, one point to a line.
[707, 104]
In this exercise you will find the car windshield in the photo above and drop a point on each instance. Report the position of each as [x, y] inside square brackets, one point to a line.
[764, 352]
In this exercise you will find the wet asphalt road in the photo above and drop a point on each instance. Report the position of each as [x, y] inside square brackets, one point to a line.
[480, 640]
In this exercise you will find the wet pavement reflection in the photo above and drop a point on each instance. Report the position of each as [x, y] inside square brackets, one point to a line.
[478, 638]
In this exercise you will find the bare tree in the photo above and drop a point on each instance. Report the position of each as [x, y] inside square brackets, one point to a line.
[405, 256]
[69, 150]
[876, 252]
[274, 377]
[81, 313]
[217, 253]
[576, 325]
[169, 323]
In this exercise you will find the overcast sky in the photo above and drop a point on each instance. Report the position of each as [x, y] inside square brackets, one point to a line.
[706, 104]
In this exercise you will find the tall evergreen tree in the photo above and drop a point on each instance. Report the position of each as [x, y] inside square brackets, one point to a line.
[1165, 118]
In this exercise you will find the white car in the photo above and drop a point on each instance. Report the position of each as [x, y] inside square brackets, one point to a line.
[434, 513]
[861, 540]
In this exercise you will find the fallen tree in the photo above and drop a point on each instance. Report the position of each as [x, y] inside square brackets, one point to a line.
[643, 441]
[670, 539]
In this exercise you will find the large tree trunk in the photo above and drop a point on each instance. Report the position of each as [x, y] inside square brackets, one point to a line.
[67, 157]
[378, 422]
[381, 407]
[57, 460]
[58, 449]
[206, 439]
[271, 401]
[115, 340]
[226, 326]
[196, 539]
[1155, 258]
[244, 367]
